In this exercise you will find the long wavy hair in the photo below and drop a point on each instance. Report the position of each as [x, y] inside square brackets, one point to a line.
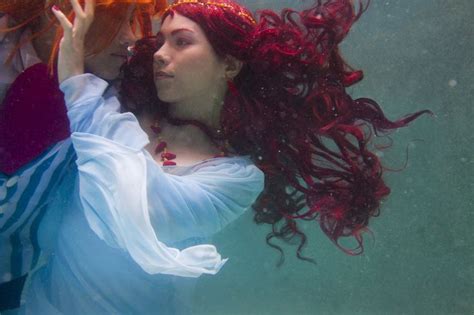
[110, 15]
[289, 110]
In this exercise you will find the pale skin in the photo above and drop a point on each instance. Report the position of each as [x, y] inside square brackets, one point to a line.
[188, 75]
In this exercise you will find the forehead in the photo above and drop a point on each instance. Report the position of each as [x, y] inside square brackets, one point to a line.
[177, 21]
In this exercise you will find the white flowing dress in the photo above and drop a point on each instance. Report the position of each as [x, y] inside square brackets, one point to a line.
[132, 231]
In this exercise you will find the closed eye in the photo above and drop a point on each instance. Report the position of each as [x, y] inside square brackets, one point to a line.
[182, 42]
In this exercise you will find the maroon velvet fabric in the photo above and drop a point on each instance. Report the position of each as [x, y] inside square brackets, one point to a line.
[32, 118]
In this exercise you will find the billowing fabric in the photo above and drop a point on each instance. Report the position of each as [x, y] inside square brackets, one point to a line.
[133, 232]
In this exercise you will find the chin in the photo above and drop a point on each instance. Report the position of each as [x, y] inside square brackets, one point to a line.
[109, 72]
[166, 97]
[108, 75]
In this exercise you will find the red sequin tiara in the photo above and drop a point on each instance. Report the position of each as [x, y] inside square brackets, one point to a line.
[215, 4]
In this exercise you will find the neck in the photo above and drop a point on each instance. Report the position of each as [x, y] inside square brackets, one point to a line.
[188, 141]
[205, 109]
[181, 136]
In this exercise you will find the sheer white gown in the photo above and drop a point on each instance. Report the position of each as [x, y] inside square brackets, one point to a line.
[131, 238]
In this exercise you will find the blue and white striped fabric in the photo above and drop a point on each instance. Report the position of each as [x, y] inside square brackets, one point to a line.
[24, 198]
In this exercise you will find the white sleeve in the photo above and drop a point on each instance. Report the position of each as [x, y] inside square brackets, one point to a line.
[204, 202]
[90, 113]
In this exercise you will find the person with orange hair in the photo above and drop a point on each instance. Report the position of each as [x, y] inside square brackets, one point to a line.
[35, 151]
[28, 41]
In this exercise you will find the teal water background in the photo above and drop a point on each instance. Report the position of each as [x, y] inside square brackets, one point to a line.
[415, 55]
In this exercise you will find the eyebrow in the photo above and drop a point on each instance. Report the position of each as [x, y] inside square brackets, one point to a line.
[179, 30]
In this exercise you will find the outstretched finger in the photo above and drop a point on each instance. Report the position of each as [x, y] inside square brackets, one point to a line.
[89, 8]
[63, 20]
[76, 6]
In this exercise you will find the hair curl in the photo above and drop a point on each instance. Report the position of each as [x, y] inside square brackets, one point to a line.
[292, 114]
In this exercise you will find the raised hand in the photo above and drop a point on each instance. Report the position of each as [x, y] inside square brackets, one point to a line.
[71, 47]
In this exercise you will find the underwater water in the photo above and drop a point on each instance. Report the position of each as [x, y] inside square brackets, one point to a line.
[415, 55]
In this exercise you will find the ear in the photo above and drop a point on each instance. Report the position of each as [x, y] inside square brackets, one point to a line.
[232, 67]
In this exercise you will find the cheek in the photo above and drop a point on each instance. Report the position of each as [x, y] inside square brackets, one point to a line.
[104, 66]
[201, 66]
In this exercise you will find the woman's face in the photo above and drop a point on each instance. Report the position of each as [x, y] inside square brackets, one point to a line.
[186, 66]
[106, 64]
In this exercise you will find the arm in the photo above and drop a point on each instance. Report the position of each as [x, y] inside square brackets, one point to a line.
[197, 205]
[113, 193]
[71, 48]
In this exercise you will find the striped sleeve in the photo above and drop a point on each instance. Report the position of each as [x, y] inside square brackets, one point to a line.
[23, 201]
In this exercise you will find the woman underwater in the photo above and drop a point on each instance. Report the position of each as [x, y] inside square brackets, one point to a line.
[34, 128]
[213, 96]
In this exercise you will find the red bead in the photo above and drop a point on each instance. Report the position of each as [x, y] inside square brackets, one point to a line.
[160, 147]
[168, 156]
[166, 163]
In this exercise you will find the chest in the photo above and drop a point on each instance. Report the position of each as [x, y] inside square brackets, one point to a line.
[181, 155]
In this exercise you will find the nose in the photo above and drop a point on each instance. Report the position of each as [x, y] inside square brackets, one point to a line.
[161, 58]
[127, 37]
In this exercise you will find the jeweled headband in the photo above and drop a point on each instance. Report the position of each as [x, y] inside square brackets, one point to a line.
[215, 4]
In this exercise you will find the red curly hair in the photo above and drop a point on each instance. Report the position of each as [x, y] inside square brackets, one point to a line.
[290, 111]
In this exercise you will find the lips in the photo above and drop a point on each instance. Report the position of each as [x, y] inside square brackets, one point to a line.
[124, 56]
[162, 75]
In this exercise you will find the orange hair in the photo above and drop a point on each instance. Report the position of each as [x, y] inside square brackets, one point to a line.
[109, 17]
